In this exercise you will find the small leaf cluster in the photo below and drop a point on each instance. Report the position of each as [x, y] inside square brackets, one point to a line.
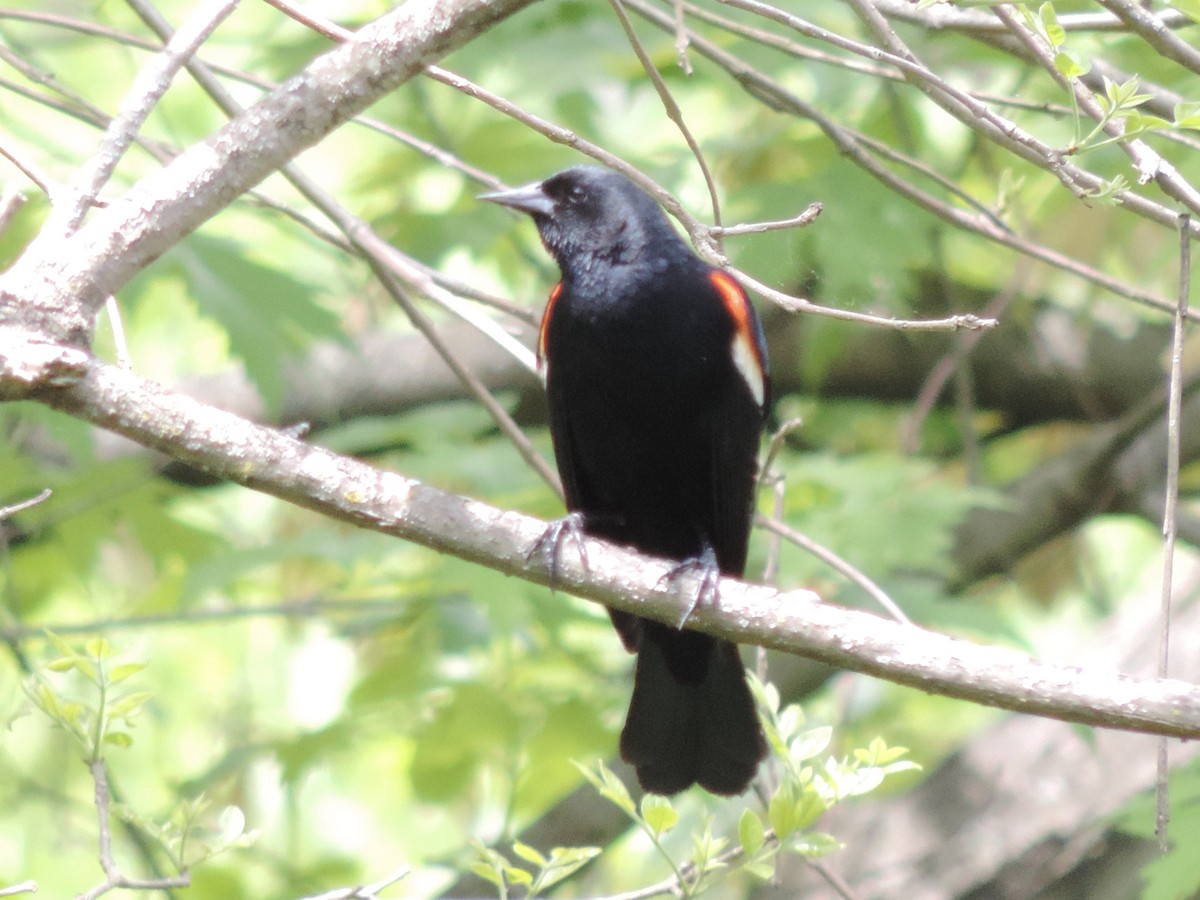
[196, 831]
[103, 716]
[495, 867]
[1120, 101]
[107, 717]
[810, 781]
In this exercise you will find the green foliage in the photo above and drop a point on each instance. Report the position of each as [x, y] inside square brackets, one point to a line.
[808, 782]
[344, 698]
[546, 872]
[105, 719]
[83, 691]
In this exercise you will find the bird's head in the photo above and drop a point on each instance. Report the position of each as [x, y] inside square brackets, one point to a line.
[587, 214]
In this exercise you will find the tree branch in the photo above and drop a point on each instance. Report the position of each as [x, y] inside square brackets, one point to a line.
[795, 621]
[60, 284]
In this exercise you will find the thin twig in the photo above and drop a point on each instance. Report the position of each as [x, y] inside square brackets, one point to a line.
[681, 39]
[294, 609]
[366, 891]
[114, 878]
[799, 304]
[674, 113]
[805, 218]
[1150, 29]
[1150, 165]
[390, 272]
[1170, 508]
[774, 95]
[29, 170]
[151, 83]
[8, 511]
[434, 152]
[322, 27]
[940, 374]
[945, 17]
[836, 563]
[10, 204]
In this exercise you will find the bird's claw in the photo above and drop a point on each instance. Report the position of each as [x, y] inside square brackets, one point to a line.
[550, 544]
[707, 573]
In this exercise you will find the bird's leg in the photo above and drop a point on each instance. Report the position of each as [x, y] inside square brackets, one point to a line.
[550, 544]
[704, 568]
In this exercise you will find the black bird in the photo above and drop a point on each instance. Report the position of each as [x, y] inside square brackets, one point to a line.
[656, 374]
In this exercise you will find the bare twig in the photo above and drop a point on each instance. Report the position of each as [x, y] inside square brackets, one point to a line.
[151, 83]
[1151, 29]
[305, 608]
[945, 16]
[366, 891]
[434, 152]
[161, 209]
[805, 218]
[1150, 165]
[847, 141]
[835, 562]
[798, 304]
[10, 204]
[390, 268]
[323, 27]
[674, 113]
[30, 171]
[8, 511]
[114, 878]
[24, 887]
[1170, 509]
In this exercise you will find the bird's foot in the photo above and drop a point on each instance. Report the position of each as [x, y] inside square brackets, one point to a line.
[550, 544]
[702, 567]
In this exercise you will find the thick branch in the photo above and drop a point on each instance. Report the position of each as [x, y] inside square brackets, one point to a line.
[795, 621]
[59, 284]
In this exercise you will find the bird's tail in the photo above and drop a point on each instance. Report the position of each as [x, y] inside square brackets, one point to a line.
[692, 718]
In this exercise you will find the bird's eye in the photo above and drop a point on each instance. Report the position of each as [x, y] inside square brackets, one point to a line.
[576, 194]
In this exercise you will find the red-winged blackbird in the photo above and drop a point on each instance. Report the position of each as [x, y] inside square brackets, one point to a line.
[656, 373]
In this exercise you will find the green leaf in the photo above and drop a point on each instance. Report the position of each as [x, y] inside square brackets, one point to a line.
[751, 833]
[118, 739]
[781, 812]
[129, 706]
[1190, 8]
[1138, 123]
[564, 862]
[816, 844]
[517, 875]
[488, 872]
[658, 814]
[529, 854]
[1070, 67]
[1051, 30]
[98, 648]
[610, 787]
[125, 670]
[811, 743]
[1187, 115]
[810, 808]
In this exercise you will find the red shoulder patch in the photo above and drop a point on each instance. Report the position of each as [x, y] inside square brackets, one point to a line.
[544, 328]
[746, 347]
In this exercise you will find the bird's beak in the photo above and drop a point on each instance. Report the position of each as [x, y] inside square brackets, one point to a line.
[528, 199]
